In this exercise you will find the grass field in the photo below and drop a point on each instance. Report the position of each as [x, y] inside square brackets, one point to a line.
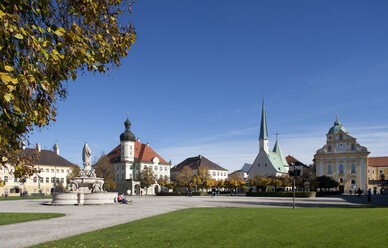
[245, 227]
[10, 218]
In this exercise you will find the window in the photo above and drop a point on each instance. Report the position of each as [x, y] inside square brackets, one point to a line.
[57, 170]
[381, 171]
[214, 173]
[47, 170]
[329, 169]
[62, 180]
[41, 179]
[165, 168]
[34, 179]
[353, 182]
[62, 171]
[57, 180]
[341, 169]
[259, 165]
[352, 147]
[52, 179]
[218, 173]
[15, 180]
[161, 168]
[47, 179]
[373, 172]
[156, 168]
[353, 168]
[265, 164]
[340, 136]
[329, 149]
[52, 170]
[67, 171]
[341, 180]
[161, 177]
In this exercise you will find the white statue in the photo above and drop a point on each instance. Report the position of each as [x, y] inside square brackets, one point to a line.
[87, 157]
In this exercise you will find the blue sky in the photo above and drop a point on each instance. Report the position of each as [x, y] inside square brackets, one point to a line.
[194, 80]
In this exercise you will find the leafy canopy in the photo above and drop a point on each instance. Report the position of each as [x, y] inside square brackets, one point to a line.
[44, 43]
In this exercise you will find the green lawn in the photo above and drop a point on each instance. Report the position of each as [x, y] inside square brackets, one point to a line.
[245, 227]
[10, 218]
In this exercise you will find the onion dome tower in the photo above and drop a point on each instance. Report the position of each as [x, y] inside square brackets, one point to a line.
[127, 139]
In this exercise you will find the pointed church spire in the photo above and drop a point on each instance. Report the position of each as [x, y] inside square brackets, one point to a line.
[263, 125]
[263, 139]
[278, 151]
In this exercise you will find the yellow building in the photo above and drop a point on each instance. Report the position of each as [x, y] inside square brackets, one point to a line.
[378, 172]
[53, 168]
[343, 159]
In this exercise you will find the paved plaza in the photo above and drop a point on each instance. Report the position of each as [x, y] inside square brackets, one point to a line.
[80, 219]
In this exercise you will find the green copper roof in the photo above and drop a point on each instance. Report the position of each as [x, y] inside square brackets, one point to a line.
[263, 125]
[337, 127]
[276, 161]
[278, 151]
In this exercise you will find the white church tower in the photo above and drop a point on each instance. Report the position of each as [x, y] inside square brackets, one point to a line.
[263, 139]
[127, 140]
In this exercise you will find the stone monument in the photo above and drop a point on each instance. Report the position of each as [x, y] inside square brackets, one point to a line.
[86, 189]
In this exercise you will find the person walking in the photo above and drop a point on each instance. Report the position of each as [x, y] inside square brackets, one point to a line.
[369, 195]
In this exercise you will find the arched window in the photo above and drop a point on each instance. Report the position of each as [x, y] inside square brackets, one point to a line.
[353, 168]
[329, 169]
[353, 182]
[341, 169]
[341, 180]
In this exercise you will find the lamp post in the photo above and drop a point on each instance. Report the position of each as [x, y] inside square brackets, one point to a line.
[293, 188]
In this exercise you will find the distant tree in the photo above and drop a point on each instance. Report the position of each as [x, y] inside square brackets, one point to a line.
[203, 174]
[161, 182]
[220, 184]
[264, 182]
[74, 171]
[185, 176]
[325, 182]
[147, 178]
[209, 183]
[44, 44]
[286, 181]
[196, 182]
[105, 169]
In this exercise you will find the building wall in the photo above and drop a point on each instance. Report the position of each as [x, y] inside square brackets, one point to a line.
[42, 182]
[127, 175]
[375, 172]
[337, 158]
[262, 166]
[218, 174]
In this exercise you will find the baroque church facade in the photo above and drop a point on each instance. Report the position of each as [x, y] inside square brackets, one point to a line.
[343, 159]
[268, 163]
[130, 158]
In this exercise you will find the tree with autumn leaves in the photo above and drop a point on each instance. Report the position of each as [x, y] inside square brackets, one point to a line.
[43, 44]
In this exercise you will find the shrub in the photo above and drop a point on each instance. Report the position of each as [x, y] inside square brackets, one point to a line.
[327, 193]
[282, 194]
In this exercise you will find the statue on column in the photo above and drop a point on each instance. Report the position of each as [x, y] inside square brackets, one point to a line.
[87, 157]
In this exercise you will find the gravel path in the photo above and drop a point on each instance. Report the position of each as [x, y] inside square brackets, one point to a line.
[80, 219]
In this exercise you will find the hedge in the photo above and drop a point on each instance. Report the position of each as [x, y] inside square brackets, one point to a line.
[281, 194]
[327, 193]
[180, 193]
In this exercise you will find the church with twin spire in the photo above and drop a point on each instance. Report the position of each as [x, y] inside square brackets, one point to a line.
[268, 163]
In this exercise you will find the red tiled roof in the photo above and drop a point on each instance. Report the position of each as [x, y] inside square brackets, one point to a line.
[290, 159]
[378, 161]
[143, 153]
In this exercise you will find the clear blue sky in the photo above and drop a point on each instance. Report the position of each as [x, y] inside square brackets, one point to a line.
[194, 80]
